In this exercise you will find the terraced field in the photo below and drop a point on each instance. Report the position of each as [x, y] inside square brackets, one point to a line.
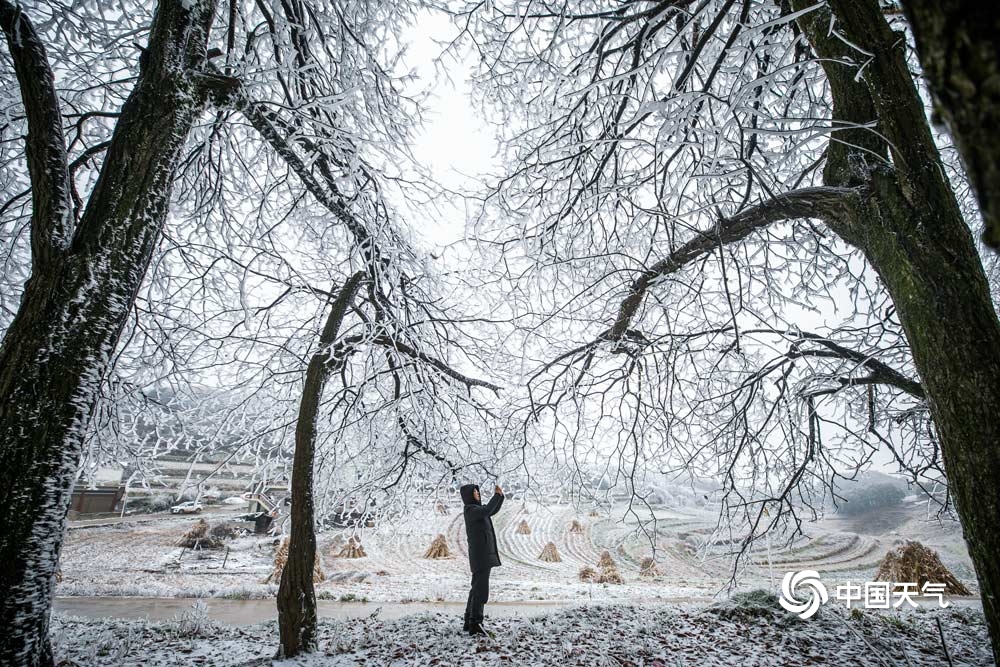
[692, 565]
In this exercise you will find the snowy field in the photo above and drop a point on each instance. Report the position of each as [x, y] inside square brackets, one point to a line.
[141, 558]
[750, 633]
[412, 617]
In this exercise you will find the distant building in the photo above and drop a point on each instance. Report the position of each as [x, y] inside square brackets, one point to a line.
[100, 500]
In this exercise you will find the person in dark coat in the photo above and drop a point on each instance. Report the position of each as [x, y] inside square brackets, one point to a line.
[483, 555]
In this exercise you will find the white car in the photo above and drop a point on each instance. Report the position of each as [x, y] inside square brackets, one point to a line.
[190, 507]
[235, 500]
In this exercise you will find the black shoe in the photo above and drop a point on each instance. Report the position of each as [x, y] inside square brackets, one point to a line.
[477, 629]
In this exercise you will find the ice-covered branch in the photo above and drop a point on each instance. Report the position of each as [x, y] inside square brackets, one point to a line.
[45, 151]
[822, 203]
[880, 373]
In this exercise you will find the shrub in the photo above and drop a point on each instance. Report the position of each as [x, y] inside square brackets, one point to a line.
[868, 498]
[194, 622]
[756, 605]
[146, 504]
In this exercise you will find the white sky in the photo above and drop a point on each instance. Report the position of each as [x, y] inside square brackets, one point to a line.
[454, 142]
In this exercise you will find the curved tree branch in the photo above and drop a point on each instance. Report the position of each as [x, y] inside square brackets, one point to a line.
[836, 204]
[880, 373]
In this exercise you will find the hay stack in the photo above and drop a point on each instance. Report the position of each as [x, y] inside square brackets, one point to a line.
[281, 558]
[523, 528]
[318, 573]
[588, 574]
[352, 549]
[438, 548]
[606, 561]
[198, 538]
[610, 575]
[226, 531]
[648, 568]
[915, 563]
[550, 554]
[576, 527]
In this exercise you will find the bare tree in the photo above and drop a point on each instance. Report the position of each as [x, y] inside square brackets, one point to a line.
[84, 276]
[325, 117]
[286, 188]
[704, 175]
[296, 595]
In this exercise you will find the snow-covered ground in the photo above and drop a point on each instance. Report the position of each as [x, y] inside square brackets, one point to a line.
[754, 632]
[678, 620]
[142, 559]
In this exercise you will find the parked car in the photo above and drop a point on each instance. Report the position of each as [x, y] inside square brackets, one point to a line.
[190, 507]
[235, 500]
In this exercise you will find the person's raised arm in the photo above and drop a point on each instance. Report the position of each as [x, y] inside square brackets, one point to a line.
[497, 498]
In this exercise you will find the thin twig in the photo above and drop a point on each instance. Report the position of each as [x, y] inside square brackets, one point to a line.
[944, 644]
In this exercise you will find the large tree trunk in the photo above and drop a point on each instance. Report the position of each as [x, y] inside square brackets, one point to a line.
[83, 284]
[912, 232]
[296, 593]
[959, 46]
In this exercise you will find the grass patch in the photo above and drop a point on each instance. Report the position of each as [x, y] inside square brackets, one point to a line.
[753, 606]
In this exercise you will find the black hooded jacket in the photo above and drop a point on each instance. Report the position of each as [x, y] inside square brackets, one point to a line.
[479, 529]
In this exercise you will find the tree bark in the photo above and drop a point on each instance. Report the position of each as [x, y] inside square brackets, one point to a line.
[959, 49]
[296, 593]
[912, 232]
[83, 283]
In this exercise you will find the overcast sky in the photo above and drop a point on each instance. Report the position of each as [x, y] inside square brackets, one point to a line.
[455, 142]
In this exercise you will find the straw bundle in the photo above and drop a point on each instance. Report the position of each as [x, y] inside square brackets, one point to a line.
[610, 575]
[281, 559]
[438, 548]
[550, 554]
[198, 538]
[648, 568]
[915, 563]
[352, 549]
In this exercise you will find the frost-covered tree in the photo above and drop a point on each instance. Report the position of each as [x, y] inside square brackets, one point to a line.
[287, 186]
[88, 257]
[736, 235]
